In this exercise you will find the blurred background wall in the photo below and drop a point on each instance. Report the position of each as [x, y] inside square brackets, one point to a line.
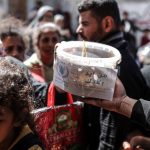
[139, 10]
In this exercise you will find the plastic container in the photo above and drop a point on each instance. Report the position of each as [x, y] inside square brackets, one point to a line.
[86, 69]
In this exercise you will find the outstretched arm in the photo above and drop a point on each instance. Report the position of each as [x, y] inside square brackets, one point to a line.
[121, 103]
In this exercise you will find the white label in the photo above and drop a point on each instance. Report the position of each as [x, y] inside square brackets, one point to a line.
[87, 81]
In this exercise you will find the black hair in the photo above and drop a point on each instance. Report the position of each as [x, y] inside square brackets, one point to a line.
[13, 27]
[4, 35]
[101, 8]
[16, 93]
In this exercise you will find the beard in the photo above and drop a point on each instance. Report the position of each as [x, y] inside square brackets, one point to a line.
[95, 37]
[82, 37]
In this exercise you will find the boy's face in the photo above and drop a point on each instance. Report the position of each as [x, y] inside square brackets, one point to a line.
[89, 28]
[6, 126]
[12, 46]
[46, 44]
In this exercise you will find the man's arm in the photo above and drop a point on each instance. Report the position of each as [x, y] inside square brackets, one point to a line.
[138, 111]
[126, 106]
[121, 103]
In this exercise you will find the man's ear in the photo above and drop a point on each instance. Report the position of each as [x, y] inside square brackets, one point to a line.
[108, 24]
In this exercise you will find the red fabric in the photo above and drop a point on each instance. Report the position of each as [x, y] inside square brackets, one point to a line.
[51, 96]
[60, 127]
[144, 40]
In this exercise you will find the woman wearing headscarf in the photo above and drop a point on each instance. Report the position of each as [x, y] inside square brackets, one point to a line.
[44, 39]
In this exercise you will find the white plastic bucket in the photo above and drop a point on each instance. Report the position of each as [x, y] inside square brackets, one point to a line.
[90, 76]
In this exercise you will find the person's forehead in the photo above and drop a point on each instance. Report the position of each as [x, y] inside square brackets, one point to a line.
[86, 15]
[48, 13]
[12, 40]
[50, 33]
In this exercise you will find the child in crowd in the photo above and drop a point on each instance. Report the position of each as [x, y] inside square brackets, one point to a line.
[16, 122]
[14, 41]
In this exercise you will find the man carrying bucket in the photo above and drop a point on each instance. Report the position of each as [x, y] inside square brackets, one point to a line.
[99, 21]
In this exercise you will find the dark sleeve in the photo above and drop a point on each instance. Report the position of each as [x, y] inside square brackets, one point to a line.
[141, 113]
[40, 90]
[132, 78]
[146, 73]
[29, 141]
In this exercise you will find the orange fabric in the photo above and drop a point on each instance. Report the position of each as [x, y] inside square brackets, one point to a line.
[51, 96]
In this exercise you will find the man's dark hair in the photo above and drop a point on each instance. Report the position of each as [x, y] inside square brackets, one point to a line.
[101, 8]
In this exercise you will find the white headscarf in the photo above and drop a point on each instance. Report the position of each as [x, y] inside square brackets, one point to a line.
[41, 12]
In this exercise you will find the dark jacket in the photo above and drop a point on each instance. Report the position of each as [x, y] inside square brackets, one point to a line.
[141, 113]
[146, 73]
[107, 130]
[27, 140]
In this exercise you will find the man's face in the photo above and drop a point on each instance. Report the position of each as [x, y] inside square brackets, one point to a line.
[12, 46]
[89, 29]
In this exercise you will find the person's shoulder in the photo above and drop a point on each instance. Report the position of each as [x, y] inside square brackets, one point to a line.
[32, 60]
[146, 70]
[27, 140]
[30, 142]
[16, 61]
[19, 64]
[35, 147]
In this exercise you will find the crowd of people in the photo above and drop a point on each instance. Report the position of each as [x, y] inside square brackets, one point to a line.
[26, 71]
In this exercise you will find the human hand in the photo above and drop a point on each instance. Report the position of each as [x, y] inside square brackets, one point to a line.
[114, 105]
[137, 143]
[120, 103]
[127, 145]
[141, 142]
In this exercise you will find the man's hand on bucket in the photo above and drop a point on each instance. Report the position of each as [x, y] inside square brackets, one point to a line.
[120, 103]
